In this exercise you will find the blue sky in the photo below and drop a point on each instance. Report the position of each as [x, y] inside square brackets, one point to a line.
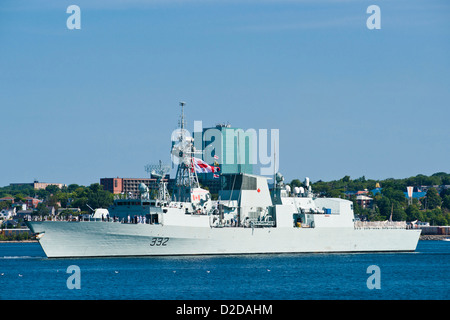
[79, 105]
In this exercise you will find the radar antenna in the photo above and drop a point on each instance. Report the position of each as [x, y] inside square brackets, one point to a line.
[159, 172]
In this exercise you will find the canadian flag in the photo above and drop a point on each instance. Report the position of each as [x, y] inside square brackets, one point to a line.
[201, 166]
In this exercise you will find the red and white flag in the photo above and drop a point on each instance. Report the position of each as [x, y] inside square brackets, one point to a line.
[201, 166]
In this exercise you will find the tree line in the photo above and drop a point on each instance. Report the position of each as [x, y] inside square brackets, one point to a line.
[434, 207]
[72, 196]
[390, 201]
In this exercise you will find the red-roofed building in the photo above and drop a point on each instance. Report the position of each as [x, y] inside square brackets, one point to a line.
[7, 199]
[32, 202]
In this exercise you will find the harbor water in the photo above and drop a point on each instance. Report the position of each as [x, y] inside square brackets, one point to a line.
[26, 274]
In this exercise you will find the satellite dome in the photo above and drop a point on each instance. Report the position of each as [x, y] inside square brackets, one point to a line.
[143, 188]
[279, 177]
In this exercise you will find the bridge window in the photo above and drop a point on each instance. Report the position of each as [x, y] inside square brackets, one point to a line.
[238, 182]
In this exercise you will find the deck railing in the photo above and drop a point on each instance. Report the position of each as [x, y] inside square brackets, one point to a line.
[380, 224]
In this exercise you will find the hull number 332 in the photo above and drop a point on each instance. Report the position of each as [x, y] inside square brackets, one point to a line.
[157, 241]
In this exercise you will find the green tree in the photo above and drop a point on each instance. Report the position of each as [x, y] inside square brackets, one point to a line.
[321, 187]
[72, 187]
[63, 198]
[52, 189]
[80, 203]
[93, 196]
[42, 210]
[53, 202]
[42, 194]
[96, 187]
[398, 213]
[446, 202]
[433, 199]
[445, 180]
[413, 213]
[396, 184]
[295, 183]
[5, 204]
[100, 198]
[19, 197]
[336, 193]
[434, 217]
[384, 205]
[80, 192]
[393, 194]
[444, 192]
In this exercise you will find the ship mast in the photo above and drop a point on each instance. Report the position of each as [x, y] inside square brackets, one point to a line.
[159, 172]
[186, 178]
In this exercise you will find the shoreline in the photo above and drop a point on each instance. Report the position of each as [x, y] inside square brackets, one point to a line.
[433, 237]
[422, 237]
[17, 241]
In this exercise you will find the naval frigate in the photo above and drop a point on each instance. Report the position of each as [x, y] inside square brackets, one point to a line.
[248, 218]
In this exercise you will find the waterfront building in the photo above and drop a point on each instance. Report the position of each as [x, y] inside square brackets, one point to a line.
[130, 186]
[364, 201]
[39, 185]
[32, 202]
[10, 199]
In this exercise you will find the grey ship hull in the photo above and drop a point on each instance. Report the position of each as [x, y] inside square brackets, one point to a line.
[62, 239]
